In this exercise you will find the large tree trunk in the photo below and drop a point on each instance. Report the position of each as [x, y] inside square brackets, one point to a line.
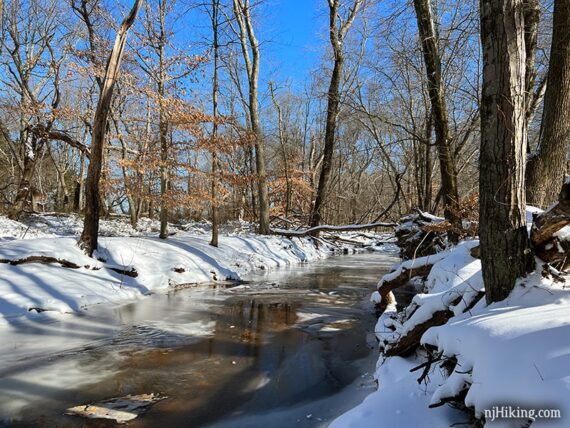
[337, 33]
[505, 249]
[547, 167]
[88, 239]
[432, 60]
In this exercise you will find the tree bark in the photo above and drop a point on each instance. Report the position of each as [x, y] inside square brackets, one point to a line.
[432, 61]
[531, 20]
[89, 236]
[162, 126]
[23, 199]
[505, 249]
[215, 23]
[249, 41]
[547, 167]
[337, 33]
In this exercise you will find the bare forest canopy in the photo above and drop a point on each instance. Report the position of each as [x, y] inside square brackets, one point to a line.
[182, 112]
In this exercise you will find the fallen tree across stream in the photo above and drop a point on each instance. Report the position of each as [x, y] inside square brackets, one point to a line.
[329, 228]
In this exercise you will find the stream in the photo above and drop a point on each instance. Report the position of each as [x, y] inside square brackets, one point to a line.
[291, 347]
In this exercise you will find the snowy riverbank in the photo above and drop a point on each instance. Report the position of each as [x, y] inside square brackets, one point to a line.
[512, 353]
[47, 274]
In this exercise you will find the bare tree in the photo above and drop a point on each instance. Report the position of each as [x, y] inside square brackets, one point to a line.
[214, 17]
[505, 247]
[547, 167]
[285, 155]
[248, 42]
[338, 29]
[432, 61]
[90, 234]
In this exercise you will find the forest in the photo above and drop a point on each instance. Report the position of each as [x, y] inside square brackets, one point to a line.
[235, 175]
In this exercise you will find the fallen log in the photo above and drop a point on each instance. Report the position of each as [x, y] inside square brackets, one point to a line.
[407, 343]
[127, 272]
[387, 287]
[410, 341]
[131, 272]
[41, 259]
[549, 247]
[328, 228]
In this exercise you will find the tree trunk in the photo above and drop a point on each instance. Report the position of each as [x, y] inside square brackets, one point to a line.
[531, 19]
[333, 107]
[163, 128]
[88, 239]
[243, 16]
[337, 33]
[432, 61]
[163, 131]
[214, 17]
[546, 168]
[505, 249]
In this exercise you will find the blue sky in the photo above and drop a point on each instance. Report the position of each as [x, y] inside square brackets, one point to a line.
[294, 32]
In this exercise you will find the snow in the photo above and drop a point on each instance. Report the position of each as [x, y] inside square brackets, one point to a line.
[398, 402]
[186, 258]
[530, 213]
[563, 234]
[515, 352]
[410, 264]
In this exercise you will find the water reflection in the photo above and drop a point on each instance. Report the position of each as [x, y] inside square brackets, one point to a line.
[292, 337]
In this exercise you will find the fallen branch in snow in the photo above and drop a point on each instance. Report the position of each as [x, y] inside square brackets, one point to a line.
[131, 272]
[345, 241]
[404, 277]
[458, 400]
[410, 341]
[127, 272]
[329, 228]
[548, 271]
[41, 259]
[547, 245]
[426, 366]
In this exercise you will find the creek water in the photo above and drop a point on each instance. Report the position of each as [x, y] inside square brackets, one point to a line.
[292, 347]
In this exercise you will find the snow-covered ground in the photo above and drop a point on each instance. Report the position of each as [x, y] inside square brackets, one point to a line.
[129, 263]
[513, 353]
